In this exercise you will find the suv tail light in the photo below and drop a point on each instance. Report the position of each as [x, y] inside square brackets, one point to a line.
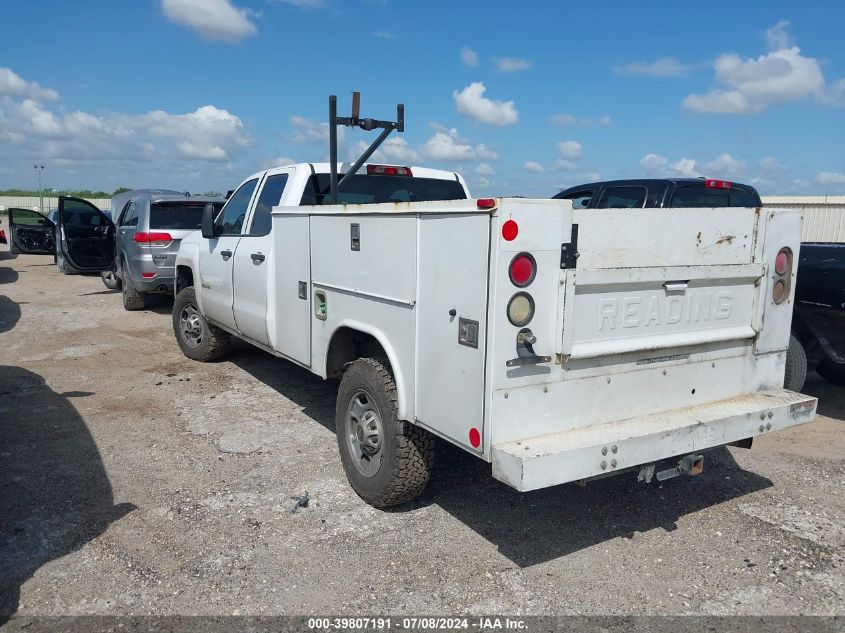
[522, 270]
[152, 238]
[782, 275]
[388, 170]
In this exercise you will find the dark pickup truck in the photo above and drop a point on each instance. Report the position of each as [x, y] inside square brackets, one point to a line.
[660, 193]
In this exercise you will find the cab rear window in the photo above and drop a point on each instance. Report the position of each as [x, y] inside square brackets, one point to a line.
[177, 215]
[361, 189]
[702, 196]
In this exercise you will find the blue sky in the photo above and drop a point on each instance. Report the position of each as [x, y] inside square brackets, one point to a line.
[522, 98]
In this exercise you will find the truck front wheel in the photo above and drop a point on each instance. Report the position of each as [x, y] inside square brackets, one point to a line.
[198, 339]
[387, 461]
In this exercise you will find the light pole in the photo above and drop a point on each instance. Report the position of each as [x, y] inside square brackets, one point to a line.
[39, 169]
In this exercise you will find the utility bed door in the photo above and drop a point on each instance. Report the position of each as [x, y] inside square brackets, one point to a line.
[292, 285]
[452, 305]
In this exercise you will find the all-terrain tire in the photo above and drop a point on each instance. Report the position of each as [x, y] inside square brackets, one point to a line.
[212, 343]
[132, 299]
[407, 453]
[111, 280]
[796, 365]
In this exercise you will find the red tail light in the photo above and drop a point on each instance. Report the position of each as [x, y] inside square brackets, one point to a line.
[523, 268]
[485, 203]
[782, 279]
[388, 170]
[148, 275]
[3, 237]
[152, 238]
[717, 184]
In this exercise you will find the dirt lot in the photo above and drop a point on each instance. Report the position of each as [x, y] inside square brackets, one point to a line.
[133, 480]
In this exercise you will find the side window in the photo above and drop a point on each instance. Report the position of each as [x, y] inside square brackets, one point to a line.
[231, 218]
[623, 198]
[269, 197]
[580, 199]
[130, 215]
[79, 213]
[122, 216]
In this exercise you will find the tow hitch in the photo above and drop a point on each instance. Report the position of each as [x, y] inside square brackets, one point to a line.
[687, 465]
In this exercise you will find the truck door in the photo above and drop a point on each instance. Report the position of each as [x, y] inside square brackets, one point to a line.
[216, 257]
[86, 235]
[31, 233]
[253, 263]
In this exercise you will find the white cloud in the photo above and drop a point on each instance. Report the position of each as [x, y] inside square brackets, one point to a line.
[753, 85]
[835, 94]
[772, 165]
[571, 119]
[570, 150]
[830, 178]
[384, 35]
[310, 131]
[533, 167]
[14, 85]
[662, 67]
[469, 56]
[485, 152]
[303, 4]
[394, 150]
[212, 19]
[511, 64]
[472, 102]
[447, 145]
[778, 38]
[279, 161]
[660, 167]
[484, 169]
[725, 165]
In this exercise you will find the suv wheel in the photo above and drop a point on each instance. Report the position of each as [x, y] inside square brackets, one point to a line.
[198, 339]
[387, 461]
[110, 280]
[132, 299]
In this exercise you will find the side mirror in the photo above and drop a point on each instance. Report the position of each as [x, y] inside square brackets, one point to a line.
[208, 221]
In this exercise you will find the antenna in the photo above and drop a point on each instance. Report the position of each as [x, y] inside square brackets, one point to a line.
[365, 124]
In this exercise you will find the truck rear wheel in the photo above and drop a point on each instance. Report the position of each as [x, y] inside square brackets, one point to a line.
[198, 339]
[796, 365]
[387, 461]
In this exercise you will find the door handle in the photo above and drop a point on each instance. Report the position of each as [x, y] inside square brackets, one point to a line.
[257, 257]
[679, 287]
[226, 254]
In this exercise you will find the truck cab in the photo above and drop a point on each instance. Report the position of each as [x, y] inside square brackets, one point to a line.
[231, 268]
[660, 193]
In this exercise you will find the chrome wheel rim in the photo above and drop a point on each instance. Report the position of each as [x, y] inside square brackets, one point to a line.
[364, 433]
[190, 325]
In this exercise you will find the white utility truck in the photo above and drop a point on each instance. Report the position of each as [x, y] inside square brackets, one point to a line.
[560, 345]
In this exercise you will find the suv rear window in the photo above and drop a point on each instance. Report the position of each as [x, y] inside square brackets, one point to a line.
[701, 196]
[361, 189]
[177, 215]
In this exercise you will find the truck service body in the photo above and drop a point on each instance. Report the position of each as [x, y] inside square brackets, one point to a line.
[557, 344]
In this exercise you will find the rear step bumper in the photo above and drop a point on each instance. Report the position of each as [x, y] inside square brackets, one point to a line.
[599, 450]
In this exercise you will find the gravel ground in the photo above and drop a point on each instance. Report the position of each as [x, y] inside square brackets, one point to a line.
[134, 481]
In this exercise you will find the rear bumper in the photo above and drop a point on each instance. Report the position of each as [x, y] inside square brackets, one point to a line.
[156, 284]
[598, 450]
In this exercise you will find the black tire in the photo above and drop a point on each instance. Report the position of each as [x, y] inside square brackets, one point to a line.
[796, 365]
[832, 372]
[111, 280]
[132, 299]
[406, 455]
[211, 342]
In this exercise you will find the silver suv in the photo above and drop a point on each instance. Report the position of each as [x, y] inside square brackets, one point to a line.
[148, 230]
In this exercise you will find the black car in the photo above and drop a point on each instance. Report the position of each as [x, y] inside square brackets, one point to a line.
[658, 193]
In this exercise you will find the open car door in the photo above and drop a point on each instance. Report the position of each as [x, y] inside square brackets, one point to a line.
[31, 233]
[87, 235]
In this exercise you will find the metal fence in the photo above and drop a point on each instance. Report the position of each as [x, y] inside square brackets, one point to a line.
[824, 216]
[31, 202]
